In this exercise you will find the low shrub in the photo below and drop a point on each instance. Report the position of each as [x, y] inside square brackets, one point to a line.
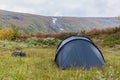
[106, 37]
[111, 40]
[11, 33]
[42, 42]
[12, 45]
[31, 42]
[6, 34]
[60, 36]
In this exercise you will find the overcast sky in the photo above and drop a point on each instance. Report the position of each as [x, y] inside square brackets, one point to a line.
[81, 8]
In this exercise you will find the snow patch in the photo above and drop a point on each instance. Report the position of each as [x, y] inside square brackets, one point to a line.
[57, 24]
[54, 20]
[61, 29]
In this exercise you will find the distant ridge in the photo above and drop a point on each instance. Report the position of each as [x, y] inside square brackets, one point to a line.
[30, 23]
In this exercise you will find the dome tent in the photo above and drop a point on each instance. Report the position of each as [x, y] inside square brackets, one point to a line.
[78, 51]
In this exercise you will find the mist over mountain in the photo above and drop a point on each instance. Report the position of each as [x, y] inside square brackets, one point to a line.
[29, 23]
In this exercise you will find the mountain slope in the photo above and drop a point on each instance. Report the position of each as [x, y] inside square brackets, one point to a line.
[29, 23]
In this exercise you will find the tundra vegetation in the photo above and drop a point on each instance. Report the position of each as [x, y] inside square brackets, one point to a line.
[40, 53]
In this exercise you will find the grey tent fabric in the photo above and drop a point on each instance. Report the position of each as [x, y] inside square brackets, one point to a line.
[78, 51]
[71, 38]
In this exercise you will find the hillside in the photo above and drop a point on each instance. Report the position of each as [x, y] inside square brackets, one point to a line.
[29, 23]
